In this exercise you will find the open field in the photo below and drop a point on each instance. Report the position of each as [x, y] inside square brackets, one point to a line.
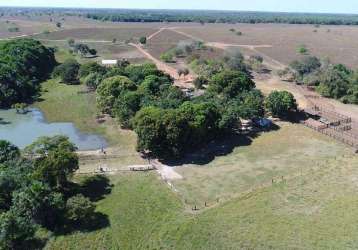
[105, 51]
[335, 42]
[315, 210]
[245, 163]
[104, 34]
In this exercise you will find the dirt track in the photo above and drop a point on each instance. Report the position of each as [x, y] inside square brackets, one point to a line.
[185, 83]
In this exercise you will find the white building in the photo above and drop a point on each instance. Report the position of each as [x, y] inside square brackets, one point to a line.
[109, 62]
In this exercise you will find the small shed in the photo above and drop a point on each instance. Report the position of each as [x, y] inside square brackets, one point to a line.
[109, 62]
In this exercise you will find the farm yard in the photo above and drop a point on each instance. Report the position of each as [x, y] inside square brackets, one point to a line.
[288, 188]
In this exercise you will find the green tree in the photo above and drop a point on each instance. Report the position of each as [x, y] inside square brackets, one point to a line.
[167, 57]
[8, 151]
[137, 73]
[230, 83]
[91, 67]
[161, 132]
[234, 60]
[334, 81]
[249, 105]
[93, 80]
[302, 49]
[306, 66]
[280, 103]
[143, 40]
[79, 208]
[24, 63]
[15, 231]
[38, 202]
[110, 89]
[82, 49]
[68, 71]
[126, 106]
[55, 160]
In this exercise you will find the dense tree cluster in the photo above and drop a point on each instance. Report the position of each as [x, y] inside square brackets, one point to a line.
[35, 190]
[167, 121]
[331, 80]
[24, 63]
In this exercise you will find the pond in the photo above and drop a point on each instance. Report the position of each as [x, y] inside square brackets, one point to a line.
[23, 129]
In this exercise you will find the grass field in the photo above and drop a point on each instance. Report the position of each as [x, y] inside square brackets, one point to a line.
[254, 162]
[314, 211]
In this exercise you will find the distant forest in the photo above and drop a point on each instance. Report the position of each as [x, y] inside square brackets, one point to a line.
[220, 17]
[199, 16]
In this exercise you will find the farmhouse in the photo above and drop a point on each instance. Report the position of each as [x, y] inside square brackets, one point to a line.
[109, 62]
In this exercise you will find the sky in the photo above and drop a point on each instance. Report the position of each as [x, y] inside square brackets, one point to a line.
[325, 6]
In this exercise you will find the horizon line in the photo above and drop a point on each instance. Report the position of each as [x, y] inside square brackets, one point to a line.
[166, 9]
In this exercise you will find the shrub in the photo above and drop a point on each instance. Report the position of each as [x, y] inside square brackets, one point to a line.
[143, 40]
[167, 57]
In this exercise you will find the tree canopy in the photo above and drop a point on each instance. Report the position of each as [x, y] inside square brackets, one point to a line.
[24, 63]
[34, 193]
[280, 103]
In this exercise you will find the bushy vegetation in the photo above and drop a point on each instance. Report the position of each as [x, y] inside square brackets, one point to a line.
[36, 191]
[232, 60]
[183, 49]
[24, 63]
[331, 80]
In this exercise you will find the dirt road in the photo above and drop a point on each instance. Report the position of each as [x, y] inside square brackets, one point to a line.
[178, 81]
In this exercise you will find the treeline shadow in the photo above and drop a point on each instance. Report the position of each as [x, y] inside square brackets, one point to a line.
[219, 147]
[95, 188]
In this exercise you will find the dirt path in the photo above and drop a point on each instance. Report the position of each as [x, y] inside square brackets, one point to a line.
[81, 41]
[155, 34]
[174, 29]
[20, 36]
[178, 81]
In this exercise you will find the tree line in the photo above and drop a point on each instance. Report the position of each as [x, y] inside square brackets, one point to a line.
[119, 15]
[24, 63]
[199, 16]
